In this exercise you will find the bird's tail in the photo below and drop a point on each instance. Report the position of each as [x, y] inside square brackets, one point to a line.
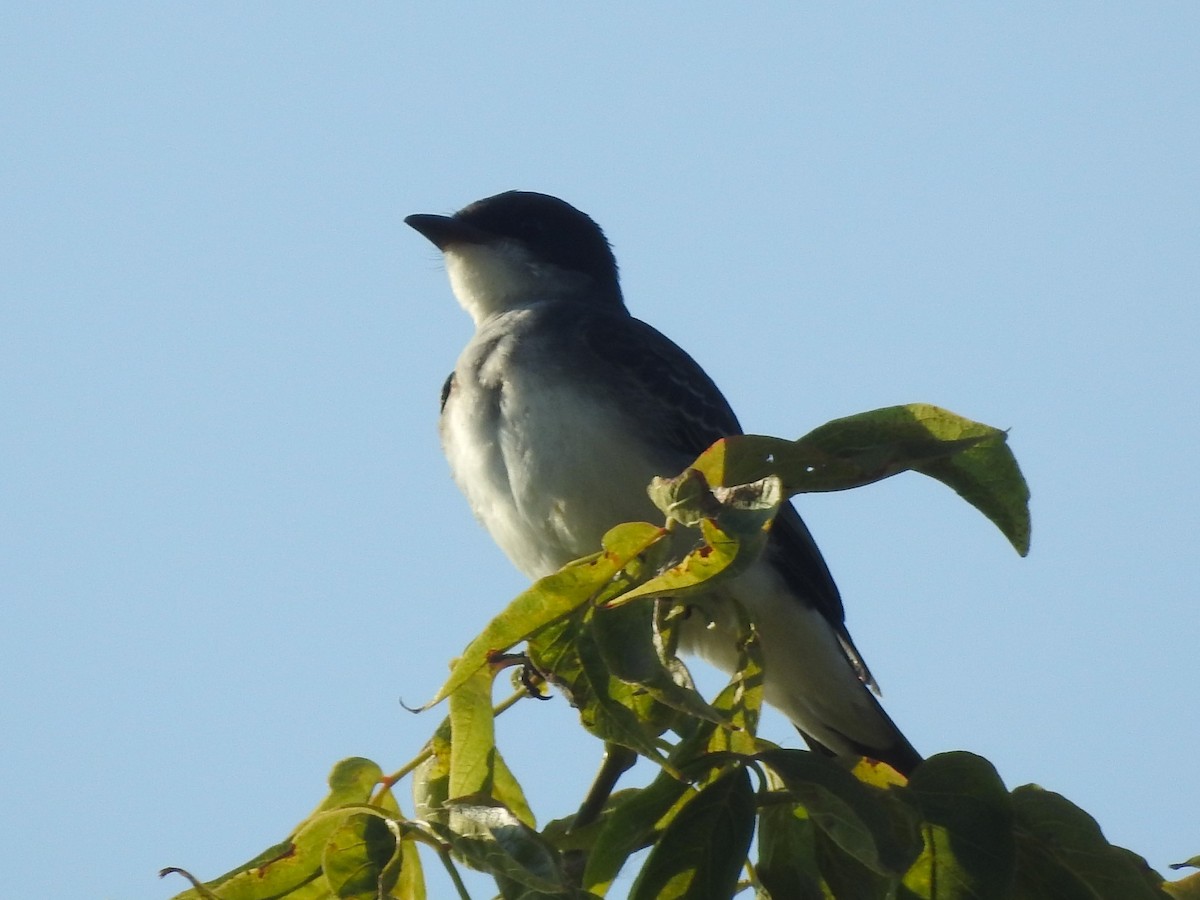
[807, 674]
[899, 754]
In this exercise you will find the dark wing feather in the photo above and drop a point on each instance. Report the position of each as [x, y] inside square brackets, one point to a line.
[795, 555]
[658, 376]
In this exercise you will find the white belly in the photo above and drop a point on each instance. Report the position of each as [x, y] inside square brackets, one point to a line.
[546, 468]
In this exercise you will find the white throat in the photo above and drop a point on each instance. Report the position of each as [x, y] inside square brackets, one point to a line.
[489, 279]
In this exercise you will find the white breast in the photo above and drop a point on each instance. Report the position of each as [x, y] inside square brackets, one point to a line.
[546, 468]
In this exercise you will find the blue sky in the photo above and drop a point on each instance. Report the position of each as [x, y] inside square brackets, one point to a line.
[231, 544]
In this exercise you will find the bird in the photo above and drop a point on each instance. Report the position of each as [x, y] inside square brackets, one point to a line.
[563, 407]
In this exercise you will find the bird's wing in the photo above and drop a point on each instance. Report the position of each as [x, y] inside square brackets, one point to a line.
[795, 555]
[662, 384]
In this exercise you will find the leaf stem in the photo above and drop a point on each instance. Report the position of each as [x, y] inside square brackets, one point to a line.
[444, 856]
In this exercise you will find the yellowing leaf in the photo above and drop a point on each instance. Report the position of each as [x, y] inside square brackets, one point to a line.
[472, 736]
[551, 597]
[971, 458]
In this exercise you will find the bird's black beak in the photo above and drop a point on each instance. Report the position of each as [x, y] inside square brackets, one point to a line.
[443, 231]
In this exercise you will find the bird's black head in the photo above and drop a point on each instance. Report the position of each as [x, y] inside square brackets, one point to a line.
[519, 247]
[551, 229]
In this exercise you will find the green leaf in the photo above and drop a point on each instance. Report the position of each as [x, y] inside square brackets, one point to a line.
[633, 651]
[488, 837]
[567, 654]
[877, 774]
[787, 862]
[987, 476]
[703, 849]
[563, 834]
[551, 598]
[472, 736]
[431, 779]
[686, 498]
[630, 826]
[409, 881]
[845, 877]
[198, 890]
[356, 855]
[403, 872]
[734, 532]
[290, 867]
[1183, 889]
[351, 781]
[696, 572]
[1063, 854]
[971, 458]
[507, 790]
[275, 872]
[853, 815]
[970, 849]
[742, 698]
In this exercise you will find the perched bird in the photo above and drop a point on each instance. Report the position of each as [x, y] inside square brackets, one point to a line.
[562, 408]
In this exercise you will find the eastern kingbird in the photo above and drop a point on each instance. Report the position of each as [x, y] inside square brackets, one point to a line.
[563, 407]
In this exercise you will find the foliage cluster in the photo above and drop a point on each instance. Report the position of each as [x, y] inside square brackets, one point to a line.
[728, 811]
